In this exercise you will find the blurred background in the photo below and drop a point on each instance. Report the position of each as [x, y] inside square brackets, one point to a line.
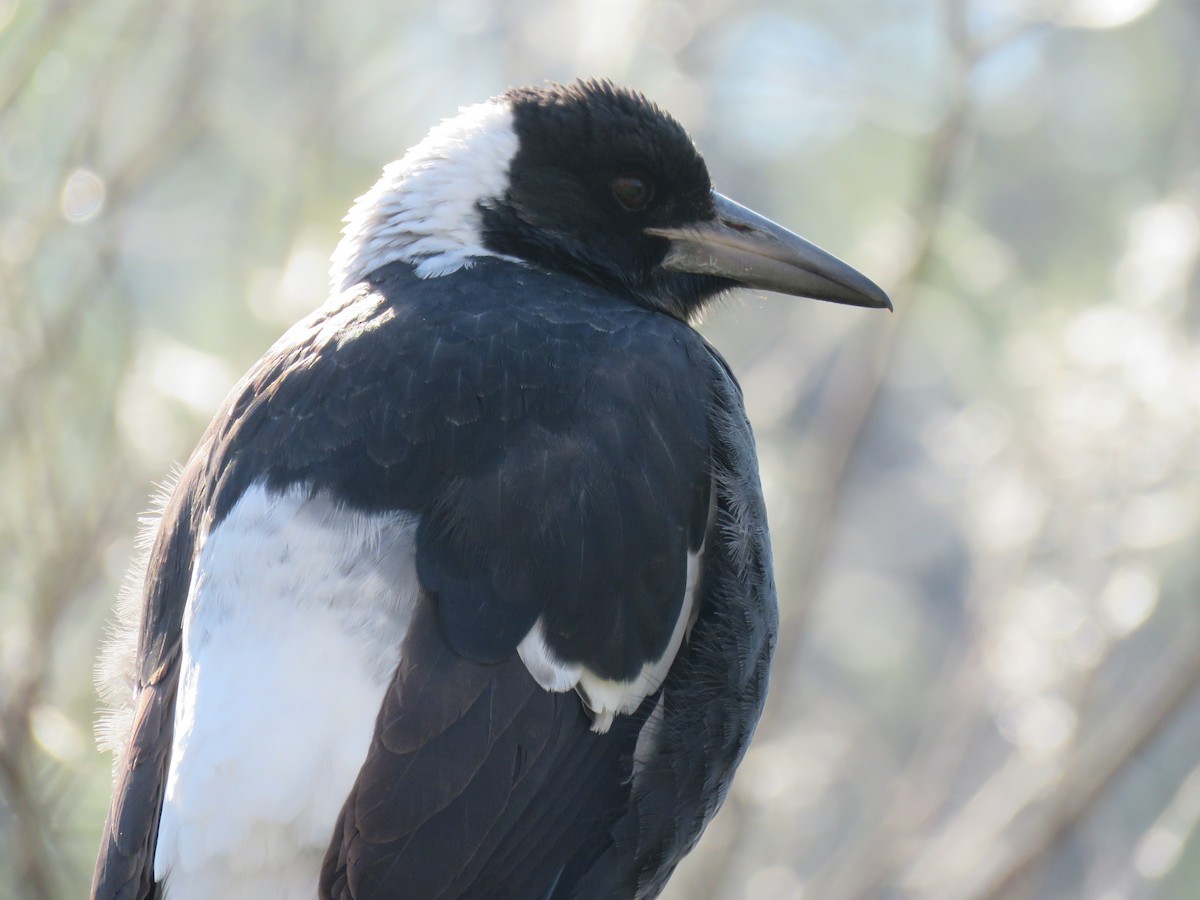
[986, 507]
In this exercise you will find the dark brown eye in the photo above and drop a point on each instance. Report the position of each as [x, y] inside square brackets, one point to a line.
[634, 192]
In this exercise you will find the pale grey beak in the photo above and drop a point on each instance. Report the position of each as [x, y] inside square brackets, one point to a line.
[750, 249]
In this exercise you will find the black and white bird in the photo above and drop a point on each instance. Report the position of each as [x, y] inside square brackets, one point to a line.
[466, 590]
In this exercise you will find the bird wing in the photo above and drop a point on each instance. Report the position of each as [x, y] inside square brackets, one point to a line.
[492, 787]
[125, 865]
[479, 782]
[714, 693]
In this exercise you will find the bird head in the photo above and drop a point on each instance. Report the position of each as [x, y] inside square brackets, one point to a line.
[587, 179]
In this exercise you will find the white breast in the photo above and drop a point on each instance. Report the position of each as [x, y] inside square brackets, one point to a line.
[295, 617]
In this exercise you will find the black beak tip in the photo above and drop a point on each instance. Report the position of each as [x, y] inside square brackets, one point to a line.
[862, 291]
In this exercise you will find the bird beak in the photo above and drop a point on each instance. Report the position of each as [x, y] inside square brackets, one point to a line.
[739, 244]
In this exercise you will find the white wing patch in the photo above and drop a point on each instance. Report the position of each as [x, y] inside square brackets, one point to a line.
[425, 207]
[295, 618]
[547, 669]
[603, 697]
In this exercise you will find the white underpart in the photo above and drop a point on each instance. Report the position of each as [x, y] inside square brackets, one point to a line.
[295, 617]
[425, 207]
[602, 696]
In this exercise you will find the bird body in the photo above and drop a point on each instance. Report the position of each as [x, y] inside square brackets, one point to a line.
[466, 590]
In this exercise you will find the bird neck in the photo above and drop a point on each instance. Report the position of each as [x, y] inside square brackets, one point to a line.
[425, 209]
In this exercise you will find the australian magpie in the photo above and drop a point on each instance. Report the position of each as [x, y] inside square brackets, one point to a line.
[467, 590]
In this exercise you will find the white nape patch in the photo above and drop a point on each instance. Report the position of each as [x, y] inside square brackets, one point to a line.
[603, 697]
[295, 618]
[425, 207]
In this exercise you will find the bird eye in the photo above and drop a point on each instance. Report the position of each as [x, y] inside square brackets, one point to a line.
[634, 192]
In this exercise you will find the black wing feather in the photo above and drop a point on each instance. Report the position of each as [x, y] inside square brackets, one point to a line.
[714, 693]
[478, 783]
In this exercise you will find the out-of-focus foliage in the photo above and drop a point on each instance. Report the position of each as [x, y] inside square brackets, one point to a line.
[986, 507]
